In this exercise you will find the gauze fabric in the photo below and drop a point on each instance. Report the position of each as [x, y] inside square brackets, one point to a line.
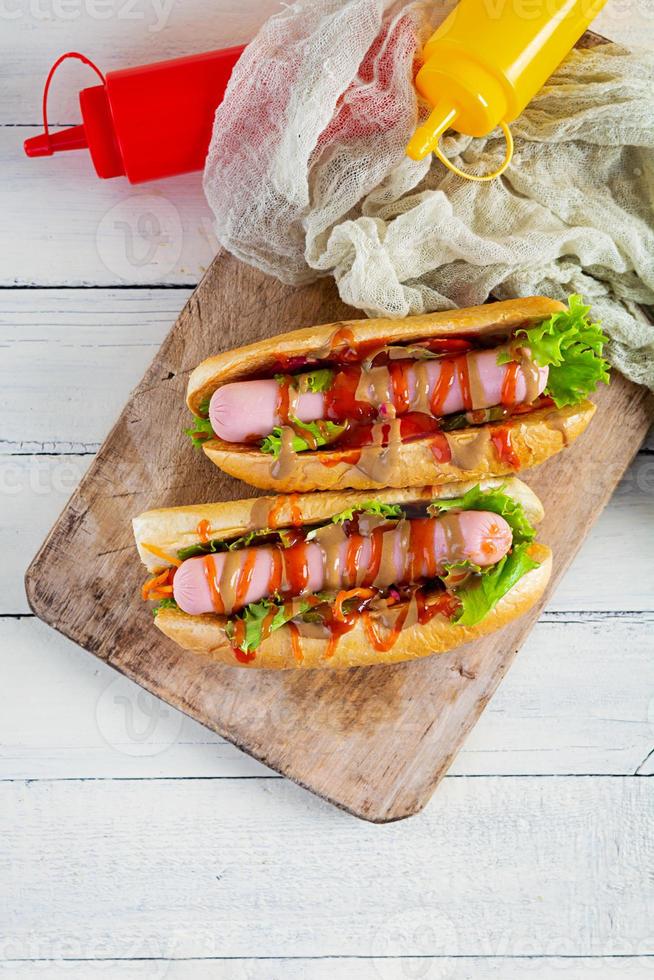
[307, 176]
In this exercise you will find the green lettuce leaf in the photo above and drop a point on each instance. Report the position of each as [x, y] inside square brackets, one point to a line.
[164, 604]
[254, 615]
[318, 380]
[571, 346]
[324, 434]
[455, 570]
[370, 507]
[479, 597]
[463, 420]
[486, 586]
[252, 537]
[199, 432]
[495, 501]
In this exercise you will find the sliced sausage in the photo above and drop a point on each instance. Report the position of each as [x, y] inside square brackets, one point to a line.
[247, 410]
[394, 554]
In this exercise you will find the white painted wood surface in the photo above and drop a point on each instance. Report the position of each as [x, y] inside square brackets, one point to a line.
[133, 842]
[252, 867]
[361, 967]
[548, 718]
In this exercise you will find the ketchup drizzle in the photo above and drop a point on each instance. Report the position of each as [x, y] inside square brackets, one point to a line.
[296, 568]
[239, 637]
[501, 439]
[383, 645]
[210, 573]
[422, 560]
[442, 387]
[245, 577]
[446, 604]
[461, 367]
[400, 386]
[296, 644]
[284, 400]
[440, 448]
[276, 570]
[509, 385]
[273, 513]
[203, 531]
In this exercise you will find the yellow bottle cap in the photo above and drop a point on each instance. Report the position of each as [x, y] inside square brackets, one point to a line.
[426, 139]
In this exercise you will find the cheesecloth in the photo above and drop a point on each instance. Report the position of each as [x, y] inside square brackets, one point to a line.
[306, 175]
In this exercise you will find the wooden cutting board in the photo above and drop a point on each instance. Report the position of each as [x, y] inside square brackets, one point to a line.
[374, 741]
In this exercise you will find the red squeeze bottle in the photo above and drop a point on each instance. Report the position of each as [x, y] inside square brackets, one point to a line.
[147, 122]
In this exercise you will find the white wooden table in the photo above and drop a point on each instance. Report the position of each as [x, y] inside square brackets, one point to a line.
[135, 843]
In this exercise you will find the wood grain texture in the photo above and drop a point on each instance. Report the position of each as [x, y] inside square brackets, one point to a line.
[87, 349]
[52, 687]
[85, 721]
[250, 868]
[345, 968]
[35, 488]
[70, 357]
[376, 741]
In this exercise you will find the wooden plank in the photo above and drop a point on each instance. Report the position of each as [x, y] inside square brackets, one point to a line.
[34, 491]
[94, 232]
[428, 707]
[135, 32]
[36, 488]
[625, 528]
[364, 968]
[260, 868]
[88, 348]
[116, 35]
[86, 721]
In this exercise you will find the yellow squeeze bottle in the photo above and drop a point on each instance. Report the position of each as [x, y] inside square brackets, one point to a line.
[485, 63]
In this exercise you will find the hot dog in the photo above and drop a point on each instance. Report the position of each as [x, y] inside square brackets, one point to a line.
[480, 537]
[441, 397]
[243, 410]
[328, 580]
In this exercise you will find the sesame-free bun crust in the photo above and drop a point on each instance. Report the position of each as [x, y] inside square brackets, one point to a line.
[172, 528]
[534, 437]
[205, 634]
[491, 319]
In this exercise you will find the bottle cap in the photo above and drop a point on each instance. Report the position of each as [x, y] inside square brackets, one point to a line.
[426, 137]
[73, 138]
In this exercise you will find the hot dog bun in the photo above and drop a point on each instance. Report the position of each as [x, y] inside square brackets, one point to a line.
[205, 635]
[491, 319]
[170, 529]
[532, 438]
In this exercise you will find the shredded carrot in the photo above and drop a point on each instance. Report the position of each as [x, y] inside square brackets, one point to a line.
[157, 582]
[161, 554]
[344, 596]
